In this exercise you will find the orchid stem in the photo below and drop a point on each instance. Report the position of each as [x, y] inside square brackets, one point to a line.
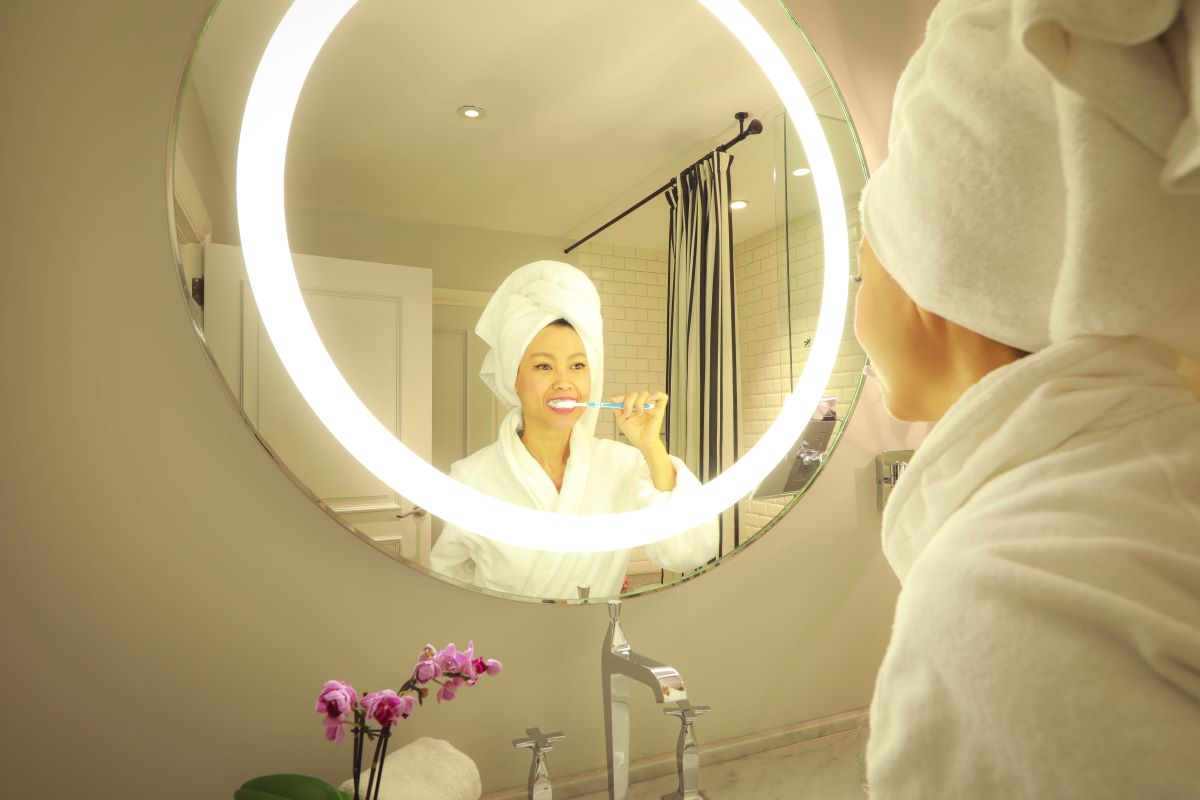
[358, 751]
[383, 740]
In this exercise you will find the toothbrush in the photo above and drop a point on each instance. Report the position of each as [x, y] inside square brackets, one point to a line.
[590, 404]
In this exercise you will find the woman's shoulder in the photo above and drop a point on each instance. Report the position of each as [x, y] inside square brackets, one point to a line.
[482, 459]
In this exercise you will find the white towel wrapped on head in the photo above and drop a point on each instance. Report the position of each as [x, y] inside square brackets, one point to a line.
[1043, 176]
[528, 300]
[426, 769]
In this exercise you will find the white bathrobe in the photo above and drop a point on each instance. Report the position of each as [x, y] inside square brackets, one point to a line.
[1047, 639]
[602, 477]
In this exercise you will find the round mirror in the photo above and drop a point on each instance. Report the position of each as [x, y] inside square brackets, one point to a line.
[436, 149]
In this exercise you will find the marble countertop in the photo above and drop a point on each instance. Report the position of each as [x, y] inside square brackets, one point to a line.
[821, 769]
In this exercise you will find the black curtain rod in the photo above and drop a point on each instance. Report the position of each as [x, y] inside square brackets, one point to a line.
[755, 127]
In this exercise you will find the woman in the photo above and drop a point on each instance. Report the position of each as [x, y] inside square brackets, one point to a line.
[1030, 281]
[546, 333]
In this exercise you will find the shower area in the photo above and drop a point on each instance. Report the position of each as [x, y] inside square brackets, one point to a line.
[771, 243]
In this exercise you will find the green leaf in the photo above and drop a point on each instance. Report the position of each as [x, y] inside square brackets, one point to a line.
[286, 787]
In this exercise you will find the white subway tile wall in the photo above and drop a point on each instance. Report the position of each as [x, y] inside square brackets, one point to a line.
[633, 295]
[771, 352]
[762, 281]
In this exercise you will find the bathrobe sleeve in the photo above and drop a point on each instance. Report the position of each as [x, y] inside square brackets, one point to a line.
[451, 555]
[685, 551]
[1044, 649]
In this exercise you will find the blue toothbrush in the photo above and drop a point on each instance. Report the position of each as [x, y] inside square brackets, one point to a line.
[590, 404]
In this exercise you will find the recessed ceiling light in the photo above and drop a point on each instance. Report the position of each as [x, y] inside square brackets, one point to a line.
[471, 112]
[801, 172]
[736, 204]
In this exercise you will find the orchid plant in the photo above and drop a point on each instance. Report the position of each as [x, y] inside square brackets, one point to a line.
[448, 669]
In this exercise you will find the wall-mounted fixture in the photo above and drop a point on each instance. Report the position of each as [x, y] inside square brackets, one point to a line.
[889, 466]
[805, 457]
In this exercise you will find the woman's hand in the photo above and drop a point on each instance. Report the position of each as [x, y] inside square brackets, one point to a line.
[642, 426]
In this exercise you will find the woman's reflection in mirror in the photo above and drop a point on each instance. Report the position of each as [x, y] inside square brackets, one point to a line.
[545, 330]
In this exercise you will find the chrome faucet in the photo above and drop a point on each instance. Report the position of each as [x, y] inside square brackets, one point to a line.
[539, 773]
[687, 752]
[619, 668]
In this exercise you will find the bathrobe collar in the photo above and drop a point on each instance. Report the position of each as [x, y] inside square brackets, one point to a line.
[1017, 414]
[533, 479]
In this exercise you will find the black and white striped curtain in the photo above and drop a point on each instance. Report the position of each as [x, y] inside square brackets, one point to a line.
[702, 380]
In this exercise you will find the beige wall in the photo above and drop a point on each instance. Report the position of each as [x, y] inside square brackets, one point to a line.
[865, 44]
[171, 602]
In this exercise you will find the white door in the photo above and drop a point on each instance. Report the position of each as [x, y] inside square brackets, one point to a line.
[376, 322]
[467, 414]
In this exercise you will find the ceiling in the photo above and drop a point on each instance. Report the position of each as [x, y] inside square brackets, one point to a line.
[589, 107]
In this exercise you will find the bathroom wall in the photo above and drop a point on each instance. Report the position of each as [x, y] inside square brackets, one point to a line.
[865, 44]
[171, 602]
[771, 348]
[633, 292]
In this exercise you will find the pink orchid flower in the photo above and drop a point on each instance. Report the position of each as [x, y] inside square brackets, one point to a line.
[426, 670]
[449, 689]
[336, 702]
[386, 707]
[449, 659]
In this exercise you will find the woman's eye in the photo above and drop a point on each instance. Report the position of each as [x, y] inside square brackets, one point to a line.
[541, 366]
[579, 365]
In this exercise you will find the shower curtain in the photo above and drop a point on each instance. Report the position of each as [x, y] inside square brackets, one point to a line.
[702, 378]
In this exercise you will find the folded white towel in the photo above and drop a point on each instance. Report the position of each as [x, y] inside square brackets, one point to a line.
[528, 300]
[427, 769]
[1043, 176]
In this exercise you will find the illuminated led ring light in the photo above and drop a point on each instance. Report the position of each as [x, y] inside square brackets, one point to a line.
[260, 169]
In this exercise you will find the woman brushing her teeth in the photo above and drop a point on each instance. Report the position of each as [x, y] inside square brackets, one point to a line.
[546, 334]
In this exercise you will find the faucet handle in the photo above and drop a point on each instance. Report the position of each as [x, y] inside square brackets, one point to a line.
[686, 711]
[538, 741]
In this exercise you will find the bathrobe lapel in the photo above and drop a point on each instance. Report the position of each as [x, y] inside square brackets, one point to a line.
[541, 490]
[533, 479]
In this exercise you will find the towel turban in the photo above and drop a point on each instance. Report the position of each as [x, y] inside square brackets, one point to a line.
[1043, 177]
[528, 300]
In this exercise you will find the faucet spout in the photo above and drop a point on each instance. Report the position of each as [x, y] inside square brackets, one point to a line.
[620, 668]
[664, 681]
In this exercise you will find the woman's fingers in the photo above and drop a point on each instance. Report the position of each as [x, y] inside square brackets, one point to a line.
[636, 402]
[631, 403]
[642, 400]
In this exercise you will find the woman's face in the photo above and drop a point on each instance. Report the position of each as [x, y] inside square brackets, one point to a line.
[924, 362]
[902, 341]
[555, 366]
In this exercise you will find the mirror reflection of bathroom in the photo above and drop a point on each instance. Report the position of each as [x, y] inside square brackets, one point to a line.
[412, 193]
